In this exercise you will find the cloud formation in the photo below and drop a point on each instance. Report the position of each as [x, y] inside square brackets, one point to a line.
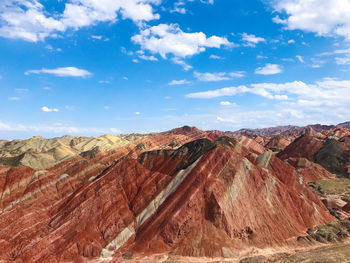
[218, 76]
[30, 21]
[323, 17]
[46, 109]
[251, 40]
[165, 40]
[179, 82]
[269, 69]
[230, 91]
[61, 72]
[57, 128]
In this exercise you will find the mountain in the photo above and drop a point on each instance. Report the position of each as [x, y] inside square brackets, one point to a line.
[345, 125]
[279, 137]
[182, 195]
[331, 149]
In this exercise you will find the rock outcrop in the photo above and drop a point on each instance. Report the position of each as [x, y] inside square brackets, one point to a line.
[330, 149]
[185, 193]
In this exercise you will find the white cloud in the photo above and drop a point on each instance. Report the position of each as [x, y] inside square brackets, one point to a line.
[46, 88]
[15, 98]
[263, 90]
[323, 17]
[29, 19]
[166, 39]
[96, 37]
[341, 57]
[300, 58]
[179, 82]
[46, 109]
[51, 48]
[215, 57]
[179, 6]
[218, 76]
[61, 72]
[326, 91]
[21, 91]
[104, 82]
[230, 91]
[182, 63]
[69, 107]
[137, 113]
[343, 61]
[251, 40]
[342, 51]
[269, 69]
[207, 1]
[291, 41]
[57, 128]
[149, 58]
[225, 103]
[324, 101]
[178, 9]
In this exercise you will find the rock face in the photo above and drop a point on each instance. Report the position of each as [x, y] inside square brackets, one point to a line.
[330, 149]
[40, 153]
[184, 192]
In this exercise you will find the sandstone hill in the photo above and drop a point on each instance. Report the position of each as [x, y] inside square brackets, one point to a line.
[185, 195]
[40, 153]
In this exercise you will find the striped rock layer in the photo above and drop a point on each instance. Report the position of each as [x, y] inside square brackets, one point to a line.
[184, 192]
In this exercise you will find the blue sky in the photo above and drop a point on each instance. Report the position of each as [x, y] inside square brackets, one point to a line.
[88, 67]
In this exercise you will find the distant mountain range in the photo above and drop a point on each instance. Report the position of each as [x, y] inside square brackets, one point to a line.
[271, 131]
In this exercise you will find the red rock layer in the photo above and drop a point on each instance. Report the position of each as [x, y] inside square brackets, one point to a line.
[229, 203]
[202, 199]
[331, 149]
[309, 171]
[305, 146]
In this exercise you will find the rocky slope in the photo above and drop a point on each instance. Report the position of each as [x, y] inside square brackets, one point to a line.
[278, 138]
[330, 149]
[181, 193]
[40, 153]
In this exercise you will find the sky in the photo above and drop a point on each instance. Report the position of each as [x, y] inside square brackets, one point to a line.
[92, 67]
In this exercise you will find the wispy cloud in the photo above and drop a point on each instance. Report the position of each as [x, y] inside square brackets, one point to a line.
[227, 103]
[331, 18]
[104, 82]
[15, 98]
[165, 39]
[61, 72]
[215, 57]
[56, 128]
[269, 69]
[300, 58]
[33, 22]
[149, 58]
[182, 63]
[230, 91]
[251, 40]
[46, 109]
[218, 76]
[179, 82]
